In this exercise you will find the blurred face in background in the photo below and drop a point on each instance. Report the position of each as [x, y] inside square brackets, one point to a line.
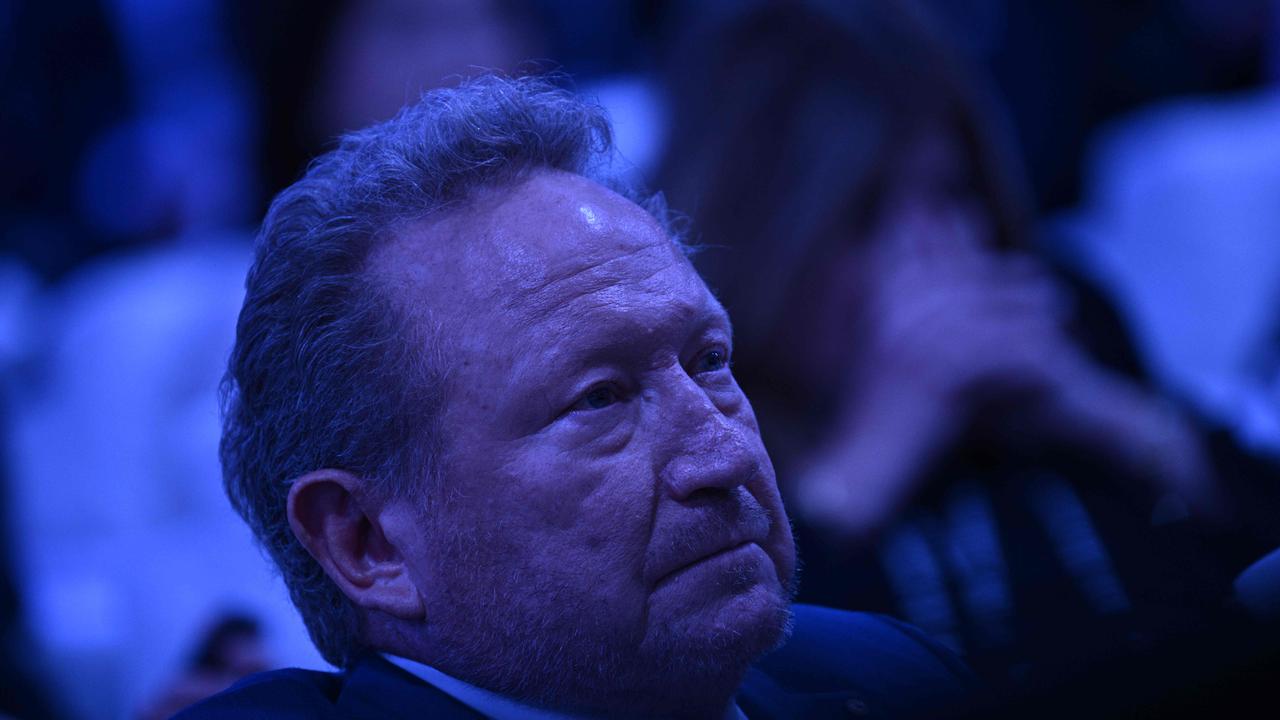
[931, 179]
[934, 172]
[385, 53]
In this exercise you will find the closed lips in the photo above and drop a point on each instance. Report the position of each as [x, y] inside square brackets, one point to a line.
[723, 551]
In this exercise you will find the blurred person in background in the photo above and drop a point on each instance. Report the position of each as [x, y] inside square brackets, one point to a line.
[232, 648]
[24, 693]
[132, 187]
[346, 63]
[1065, 67]
[964, 426]
[1179, 221]
[57, 107]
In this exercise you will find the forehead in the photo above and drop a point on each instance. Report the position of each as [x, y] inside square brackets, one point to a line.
[532, 249]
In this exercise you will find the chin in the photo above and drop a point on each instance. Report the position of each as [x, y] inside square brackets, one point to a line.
[734, 601]
[756, 621]
[697, 660]
[725, 632]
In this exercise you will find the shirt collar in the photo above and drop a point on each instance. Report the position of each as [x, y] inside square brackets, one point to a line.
[491, 704]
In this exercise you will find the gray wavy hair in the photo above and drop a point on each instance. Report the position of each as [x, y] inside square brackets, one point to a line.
[326, 372]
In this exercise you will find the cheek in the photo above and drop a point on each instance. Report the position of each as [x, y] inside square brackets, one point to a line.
[565, 486]
[589, 513]
[565, 546]
[781, 544]
[590, 552]
[782, 550]
[744, 414]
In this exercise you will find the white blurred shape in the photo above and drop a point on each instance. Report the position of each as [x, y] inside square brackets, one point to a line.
[1182, 224]
[128, 547]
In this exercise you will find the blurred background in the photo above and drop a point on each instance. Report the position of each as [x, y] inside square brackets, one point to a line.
[1062, 218]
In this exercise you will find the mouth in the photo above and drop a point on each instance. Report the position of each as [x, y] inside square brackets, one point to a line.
[720, 534]
[723, 553]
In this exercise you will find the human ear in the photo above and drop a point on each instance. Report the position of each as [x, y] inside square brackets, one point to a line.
[336, 523]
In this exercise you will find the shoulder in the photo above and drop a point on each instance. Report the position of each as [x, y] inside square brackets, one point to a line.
[826, 634]
[279, 695]
[886, 664]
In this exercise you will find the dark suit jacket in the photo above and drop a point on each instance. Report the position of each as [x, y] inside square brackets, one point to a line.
[836, 665]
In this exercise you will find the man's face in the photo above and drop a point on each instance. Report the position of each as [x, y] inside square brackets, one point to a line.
[608, 511]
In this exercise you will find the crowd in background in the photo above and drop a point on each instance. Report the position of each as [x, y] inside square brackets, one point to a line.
[1005, 280]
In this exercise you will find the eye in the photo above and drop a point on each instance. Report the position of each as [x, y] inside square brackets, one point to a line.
[597, 398]
[711, 361]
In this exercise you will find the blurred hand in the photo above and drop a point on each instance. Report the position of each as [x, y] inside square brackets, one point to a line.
[953, 326]
[956, 334]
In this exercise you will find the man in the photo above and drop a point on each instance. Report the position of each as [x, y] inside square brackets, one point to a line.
[480, 413]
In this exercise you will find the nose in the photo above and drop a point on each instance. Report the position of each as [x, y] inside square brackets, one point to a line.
[709, 452]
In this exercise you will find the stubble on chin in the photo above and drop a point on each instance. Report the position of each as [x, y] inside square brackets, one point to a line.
[561, 659]
[680, 671]
[530, 638]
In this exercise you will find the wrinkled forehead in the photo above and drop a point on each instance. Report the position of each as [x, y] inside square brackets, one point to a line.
[527, 247]
[557, 229]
